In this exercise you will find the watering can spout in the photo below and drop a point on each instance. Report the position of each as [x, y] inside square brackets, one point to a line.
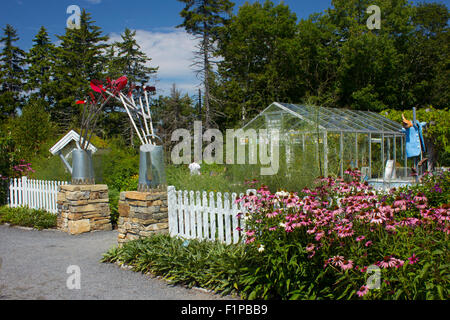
[66, 164]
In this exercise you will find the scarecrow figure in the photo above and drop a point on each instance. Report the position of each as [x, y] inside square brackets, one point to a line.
[415, 145]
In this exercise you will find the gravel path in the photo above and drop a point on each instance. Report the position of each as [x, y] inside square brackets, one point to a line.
[33, 265]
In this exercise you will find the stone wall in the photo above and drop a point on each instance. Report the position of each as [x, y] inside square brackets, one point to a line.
[83, 208]
[142, 214]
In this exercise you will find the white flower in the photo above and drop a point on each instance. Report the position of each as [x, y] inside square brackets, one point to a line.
[283, 225]
[282, 194]
[195, 168]
[261, 248]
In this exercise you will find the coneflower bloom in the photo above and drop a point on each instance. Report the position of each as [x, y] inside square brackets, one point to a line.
[310, 247]
[347, 265]
[413, 259]
[272, 214]
[388, 262]
[362, 291]
[360, 238]
[337, 260]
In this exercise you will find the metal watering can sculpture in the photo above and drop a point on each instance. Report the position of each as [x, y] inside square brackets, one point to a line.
[151, 156]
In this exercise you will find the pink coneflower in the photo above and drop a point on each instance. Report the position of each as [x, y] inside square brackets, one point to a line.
[250, 233]
[420, 198]
[388, 262]
[310, 247]
[250, 240]
[413, 259]
[368, 243]
[362, 291]
[272, 228]
[347, 265]
[272, 214]
[319, 235]
[360, 238]
[399, 262]
[337, 260]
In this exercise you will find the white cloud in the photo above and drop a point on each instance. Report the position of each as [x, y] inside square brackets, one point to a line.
[94, 1]
[171, 50]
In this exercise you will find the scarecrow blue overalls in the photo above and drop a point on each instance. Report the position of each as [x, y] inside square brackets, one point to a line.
[414, 139]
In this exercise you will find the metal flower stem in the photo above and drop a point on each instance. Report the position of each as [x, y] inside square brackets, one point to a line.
[140, 122]
[145, 122]
[149, 114]
[131, 118]
[92, 114]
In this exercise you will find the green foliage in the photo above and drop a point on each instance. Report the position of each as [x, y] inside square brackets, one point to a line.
[130, 61]
[12, 61]
[332, 58]
[78, 59]
[114, 196]
[202, 19]
[437, 133]
[435, 187]
[120, 166]
[205, 264]
[26, 217]
[41, 59]
[281, 260]
[32, 129]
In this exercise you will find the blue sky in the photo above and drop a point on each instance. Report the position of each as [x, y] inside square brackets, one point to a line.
[170, 48]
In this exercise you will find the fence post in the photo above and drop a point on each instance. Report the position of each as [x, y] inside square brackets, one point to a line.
[173, 217]
[25, 195]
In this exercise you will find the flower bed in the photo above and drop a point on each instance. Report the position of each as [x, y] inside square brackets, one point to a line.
[343, 240]
[340, 240]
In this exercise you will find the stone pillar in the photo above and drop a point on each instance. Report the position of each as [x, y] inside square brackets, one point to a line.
[142, 214]
[83, 208]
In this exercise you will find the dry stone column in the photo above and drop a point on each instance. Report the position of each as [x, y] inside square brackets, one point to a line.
[83, 208]
[142, 214]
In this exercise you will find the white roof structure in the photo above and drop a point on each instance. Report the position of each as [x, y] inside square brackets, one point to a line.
[70, 137]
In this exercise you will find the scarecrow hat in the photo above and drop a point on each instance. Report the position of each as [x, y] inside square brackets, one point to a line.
[406, 123]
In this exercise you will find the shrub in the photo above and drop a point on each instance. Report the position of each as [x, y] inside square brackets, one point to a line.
[206, 264]
[26, 217]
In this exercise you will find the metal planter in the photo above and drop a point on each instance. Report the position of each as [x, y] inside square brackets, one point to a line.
[152, 174]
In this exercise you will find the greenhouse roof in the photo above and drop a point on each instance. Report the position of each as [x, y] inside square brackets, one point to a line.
[330, 119]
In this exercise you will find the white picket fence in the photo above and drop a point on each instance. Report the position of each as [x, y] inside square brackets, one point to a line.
[35, 194]
[197, 215]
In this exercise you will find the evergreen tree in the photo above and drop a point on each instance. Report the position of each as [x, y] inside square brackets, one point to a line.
[40, 59]
[131, 61]
[12, 61]
[126, 58]
[79, 59]
[202, 19]
[427, 58]
[173, 112]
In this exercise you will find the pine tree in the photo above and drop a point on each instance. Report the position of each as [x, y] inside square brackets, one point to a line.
[173, 112]
[201, 19]
[12, 61]
[131, 61]
[40, 59]
[79, 59]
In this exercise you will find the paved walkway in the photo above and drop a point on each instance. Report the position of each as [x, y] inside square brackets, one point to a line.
[33, 265]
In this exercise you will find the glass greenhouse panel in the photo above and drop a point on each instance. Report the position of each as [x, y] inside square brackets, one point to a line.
[327, 141]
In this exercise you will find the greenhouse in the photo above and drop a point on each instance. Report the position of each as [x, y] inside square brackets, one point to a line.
[327, 141]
